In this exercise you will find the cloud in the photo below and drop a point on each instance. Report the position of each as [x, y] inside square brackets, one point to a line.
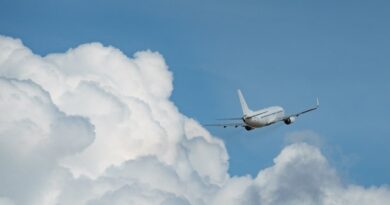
[34, 137]
[306, 136]
[93, 126]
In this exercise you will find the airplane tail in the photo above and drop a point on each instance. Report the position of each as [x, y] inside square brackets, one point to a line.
[244, 106]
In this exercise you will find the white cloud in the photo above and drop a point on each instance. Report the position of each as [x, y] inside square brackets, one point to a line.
[306, 136]
[92, 126]
[34, 136]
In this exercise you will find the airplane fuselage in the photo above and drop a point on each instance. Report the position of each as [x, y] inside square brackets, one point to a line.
[264, 117]
[261, 118]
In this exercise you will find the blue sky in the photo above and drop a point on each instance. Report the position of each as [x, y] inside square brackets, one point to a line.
[278, 52]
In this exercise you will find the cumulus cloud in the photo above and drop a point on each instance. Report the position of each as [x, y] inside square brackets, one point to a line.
[34, 137]
[93, 126]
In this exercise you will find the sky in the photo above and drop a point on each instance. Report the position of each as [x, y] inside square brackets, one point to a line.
[277, 52]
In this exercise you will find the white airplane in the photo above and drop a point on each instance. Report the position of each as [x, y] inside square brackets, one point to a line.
[261, 118]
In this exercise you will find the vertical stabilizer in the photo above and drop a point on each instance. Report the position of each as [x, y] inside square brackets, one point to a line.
[244, 106]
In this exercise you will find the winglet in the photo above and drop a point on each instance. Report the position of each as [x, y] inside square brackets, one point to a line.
[318, 102]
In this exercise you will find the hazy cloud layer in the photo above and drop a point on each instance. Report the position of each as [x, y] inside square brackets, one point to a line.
[93, 126]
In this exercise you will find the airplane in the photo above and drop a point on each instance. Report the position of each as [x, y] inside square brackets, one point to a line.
[261, 118]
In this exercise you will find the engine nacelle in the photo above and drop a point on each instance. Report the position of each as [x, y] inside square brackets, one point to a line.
[249, 128]
[289, 120]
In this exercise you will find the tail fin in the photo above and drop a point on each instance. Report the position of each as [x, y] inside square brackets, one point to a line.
[244, 106]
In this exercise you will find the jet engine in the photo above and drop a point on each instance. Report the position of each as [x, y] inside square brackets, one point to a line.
[249, 128]
[289, 120]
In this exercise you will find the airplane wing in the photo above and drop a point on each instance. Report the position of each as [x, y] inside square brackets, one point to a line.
[232, 118]
[224, 125]
[303, 112]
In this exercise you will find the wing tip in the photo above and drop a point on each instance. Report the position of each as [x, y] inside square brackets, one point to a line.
[318, 102]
